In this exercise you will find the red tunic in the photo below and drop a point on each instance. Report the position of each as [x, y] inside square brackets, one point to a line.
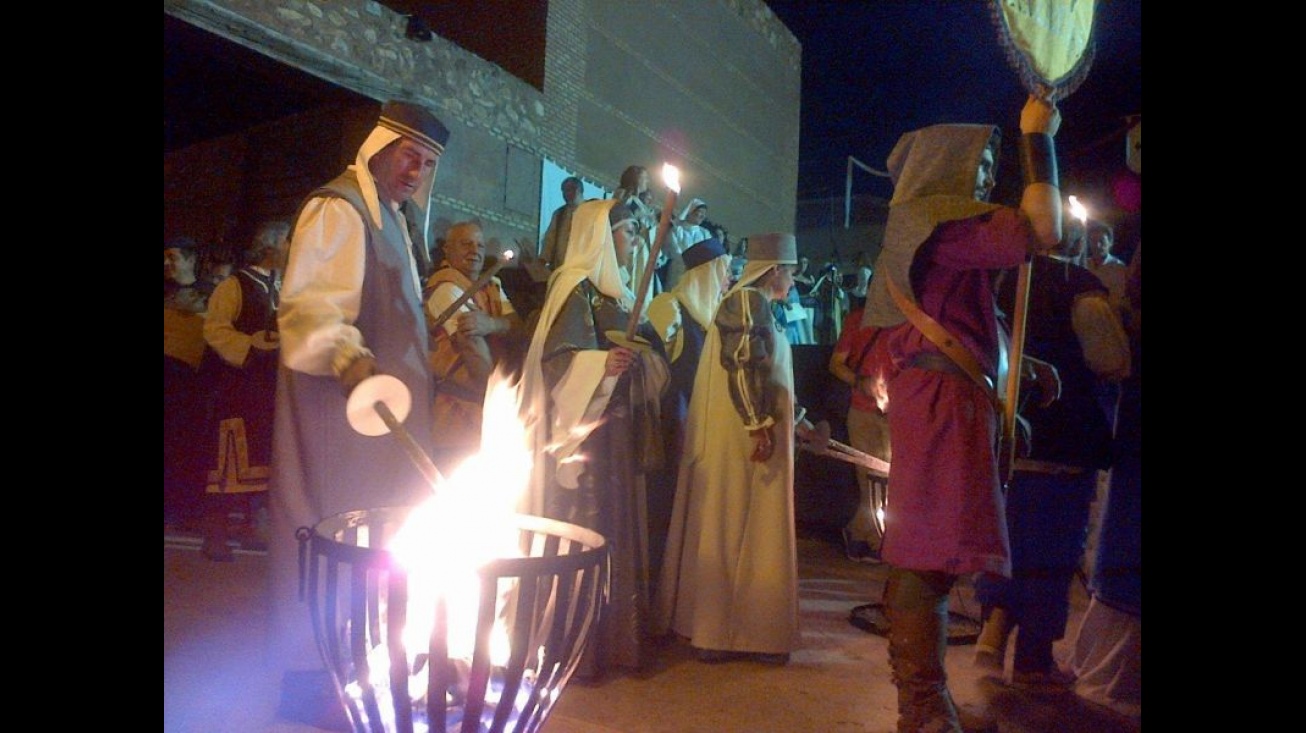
[945, 508]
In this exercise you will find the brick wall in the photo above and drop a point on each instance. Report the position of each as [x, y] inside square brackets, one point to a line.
[712, 85]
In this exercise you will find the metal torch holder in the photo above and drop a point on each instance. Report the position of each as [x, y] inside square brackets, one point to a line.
[358, 598]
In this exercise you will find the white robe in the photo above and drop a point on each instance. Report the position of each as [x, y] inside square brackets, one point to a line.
[730, 576]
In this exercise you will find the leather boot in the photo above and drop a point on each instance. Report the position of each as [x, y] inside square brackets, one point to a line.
[916, 604]
[991, 646]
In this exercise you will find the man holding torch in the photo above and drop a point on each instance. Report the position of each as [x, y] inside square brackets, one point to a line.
[591, 381]
[350, 308]
[469, 343]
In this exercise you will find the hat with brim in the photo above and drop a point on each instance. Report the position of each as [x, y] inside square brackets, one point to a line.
[416, 123]
[774, 247]
[705, 251]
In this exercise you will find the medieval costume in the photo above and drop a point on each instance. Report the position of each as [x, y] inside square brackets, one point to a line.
[1072, 326]
[942, 244]
[351, 290]
[1106, 650]
[243, 383]
[682, 317]
[459, 391]
[592, 432]
[730, 577]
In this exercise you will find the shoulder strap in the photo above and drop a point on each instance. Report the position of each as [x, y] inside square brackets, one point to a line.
[939, 336]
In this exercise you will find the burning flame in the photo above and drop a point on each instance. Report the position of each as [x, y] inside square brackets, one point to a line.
[671, 177]
[466, 523]
[1078, 210]
[880, 390]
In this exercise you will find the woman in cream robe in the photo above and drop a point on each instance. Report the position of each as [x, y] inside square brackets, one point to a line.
[729, 579]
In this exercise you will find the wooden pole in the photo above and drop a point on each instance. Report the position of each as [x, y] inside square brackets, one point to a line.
[671, 176]
[414, 451]
[1012, 394]
[476, 287]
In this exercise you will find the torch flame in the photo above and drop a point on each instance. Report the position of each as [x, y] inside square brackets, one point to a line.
[671, 177]
[1078, 210]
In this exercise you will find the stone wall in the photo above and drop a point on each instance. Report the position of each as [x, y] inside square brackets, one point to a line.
[710, 85]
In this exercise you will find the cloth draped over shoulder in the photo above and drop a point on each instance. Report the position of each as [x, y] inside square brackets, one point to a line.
[592, 433]
[590, 256]
[933, 171]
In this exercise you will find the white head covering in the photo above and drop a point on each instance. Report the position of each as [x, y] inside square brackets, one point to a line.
[700, 288]
[378, 139]
[694, 203]
[386, 132]
[591, 255]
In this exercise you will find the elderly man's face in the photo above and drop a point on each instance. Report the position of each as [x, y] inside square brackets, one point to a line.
[464, 248]
[401, 167]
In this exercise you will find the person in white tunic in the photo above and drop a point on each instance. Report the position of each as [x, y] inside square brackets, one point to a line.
[350, 308]
[729, 580]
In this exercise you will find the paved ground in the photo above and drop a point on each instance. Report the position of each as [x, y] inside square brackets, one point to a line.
[839, 682]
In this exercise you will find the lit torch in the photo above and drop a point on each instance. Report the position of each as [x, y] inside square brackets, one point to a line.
[671, 177]
[1078, 210]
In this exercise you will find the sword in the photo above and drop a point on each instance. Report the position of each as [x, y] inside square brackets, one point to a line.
[823, 445]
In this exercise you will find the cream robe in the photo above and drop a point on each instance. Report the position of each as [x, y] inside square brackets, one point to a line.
[730, 576]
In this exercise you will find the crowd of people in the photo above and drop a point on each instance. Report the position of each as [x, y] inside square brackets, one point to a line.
[659, 397]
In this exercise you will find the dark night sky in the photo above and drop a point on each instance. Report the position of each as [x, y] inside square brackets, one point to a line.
[873, 69]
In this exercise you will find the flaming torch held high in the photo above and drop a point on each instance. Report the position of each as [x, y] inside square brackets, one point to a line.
[1077, 209]
[671, 177]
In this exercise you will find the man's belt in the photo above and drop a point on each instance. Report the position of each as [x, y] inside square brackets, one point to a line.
[1047, 467]
[936, 362]
[949, 347]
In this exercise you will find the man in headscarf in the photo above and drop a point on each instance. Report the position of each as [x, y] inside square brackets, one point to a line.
[942, 243]
[729, 578]
[681, 318]
[591, 398]
[351, 308]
